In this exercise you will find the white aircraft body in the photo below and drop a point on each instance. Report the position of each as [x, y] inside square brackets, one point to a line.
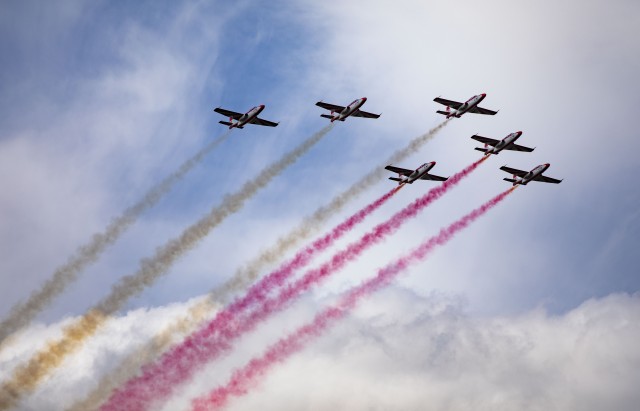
[524, 177]
[406, 176]
[341, 112]
[239, 120]
[469, 106]
[507, 143]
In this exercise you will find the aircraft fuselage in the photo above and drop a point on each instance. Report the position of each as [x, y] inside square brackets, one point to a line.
[466, 106]
[510, 139]
[524, 180]
[419, 172]
[347, 111]
[246, 117]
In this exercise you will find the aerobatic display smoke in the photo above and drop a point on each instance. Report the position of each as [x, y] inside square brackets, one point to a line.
[246, 275]
[310, 225]
[244, 378]
[200, 311]
[158, 380]
[26, 377]
[23, 313]
[122, 399]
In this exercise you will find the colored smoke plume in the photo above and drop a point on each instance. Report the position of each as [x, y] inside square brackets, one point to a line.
[26, 377]
[244, 378]
[157, 381]
[23, 313]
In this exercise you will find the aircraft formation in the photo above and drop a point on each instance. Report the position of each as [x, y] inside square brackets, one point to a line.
[453, 109]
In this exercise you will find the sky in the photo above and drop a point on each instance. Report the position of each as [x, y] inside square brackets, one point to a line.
[534, 306]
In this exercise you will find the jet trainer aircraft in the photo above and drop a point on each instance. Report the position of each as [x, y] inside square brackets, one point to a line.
[524, 177]
[406, 176]
[507, 143]
[469, 106]
[341, 112]
[239, 120]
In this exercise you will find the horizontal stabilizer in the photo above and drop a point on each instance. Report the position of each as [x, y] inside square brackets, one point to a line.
[326, 116]
[511, 180]
[226, 123]
[395, 179]
[484, 150]
[442, 112]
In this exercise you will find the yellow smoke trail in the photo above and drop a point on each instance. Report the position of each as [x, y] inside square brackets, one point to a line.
[23, 313]
[242, 278]
[25, 378]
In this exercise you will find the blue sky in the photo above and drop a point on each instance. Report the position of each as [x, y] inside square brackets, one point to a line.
[100, 101]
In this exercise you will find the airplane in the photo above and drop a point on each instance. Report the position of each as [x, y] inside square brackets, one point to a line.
[469, 106]
[239, 120]
[507, 143]
[524, 177]
[341, 113]
[406, 176]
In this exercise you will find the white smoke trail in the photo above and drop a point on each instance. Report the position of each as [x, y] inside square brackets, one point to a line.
[23, 313]
[242, 278]
[25, 378]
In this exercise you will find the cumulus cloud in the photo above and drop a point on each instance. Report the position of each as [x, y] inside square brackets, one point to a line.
[398, 350]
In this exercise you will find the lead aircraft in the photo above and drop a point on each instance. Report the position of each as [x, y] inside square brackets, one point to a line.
[406, 176]
[341, 112]
[524, 177]
[507, 143]
[239, 120]
[469, 106]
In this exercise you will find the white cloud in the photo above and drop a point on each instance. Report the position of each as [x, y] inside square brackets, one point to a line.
[399, 351]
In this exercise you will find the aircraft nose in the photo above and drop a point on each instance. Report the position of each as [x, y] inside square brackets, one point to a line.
[547, 164]
[484, 94]
[519, 133]
[363, 99]
[261, 105]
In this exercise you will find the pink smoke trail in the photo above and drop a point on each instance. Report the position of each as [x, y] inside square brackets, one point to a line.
[134, 392]
[243, 378]
[159, 379]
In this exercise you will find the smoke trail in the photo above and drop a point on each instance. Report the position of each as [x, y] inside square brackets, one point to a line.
[27, 377]
[159, 379]
[136, 388]
[248, 274]
[242, 379]
[23, 313]
[202, 310]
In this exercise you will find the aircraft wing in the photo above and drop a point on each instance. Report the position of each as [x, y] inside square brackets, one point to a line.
[399, 170]
[480, 110]
[327, 106]
[516, 147]
[360, 113]
[433, 177]
[546, 179]
[450, 103]
[228, 113]
[514, 171]
[262, 122]
[485, 140]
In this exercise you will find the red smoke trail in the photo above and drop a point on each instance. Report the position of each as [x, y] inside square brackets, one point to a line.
[176, 366]
[135, 393]
[243, 378]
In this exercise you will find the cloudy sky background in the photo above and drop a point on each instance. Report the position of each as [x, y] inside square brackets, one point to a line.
[534, 306]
